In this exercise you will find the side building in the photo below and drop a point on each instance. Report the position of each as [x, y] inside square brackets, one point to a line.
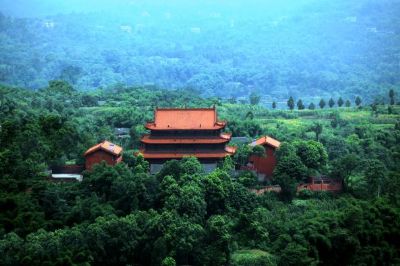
[176, 133]
[104, 151]
[264, 166]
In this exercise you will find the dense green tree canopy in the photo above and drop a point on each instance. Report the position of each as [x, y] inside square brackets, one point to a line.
[122, 215]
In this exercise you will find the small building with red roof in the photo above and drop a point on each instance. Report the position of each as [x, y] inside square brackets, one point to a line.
[104, 151]
[179, 132]
[264, 165]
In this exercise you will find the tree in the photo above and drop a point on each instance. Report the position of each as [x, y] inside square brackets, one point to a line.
[232, 100]
[168, 261]
[242, 154]
[322, 103]
[218, 239]
[391, 96]
[344, 166]
[317, 129]
[250, 115]
[375, 174]
[290, 163]
[312, 154]
[216, 192]
[288, 186]
[61, 87]
[358, 101]
[247, 179]
[311, 106]
[295, 254]
[190, 201]
[286, 149]
[348, 103]
[191, 166]
[254, 98]
[300, 104]
[331, 102]
[273, 105]
[390, 110]
[340, 102]
[290, 103]
[374, 108]
[258, 150]
[252, 257]
[182, 236]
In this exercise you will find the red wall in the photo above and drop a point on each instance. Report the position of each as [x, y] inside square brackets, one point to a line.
[334, 187]
[99, 156]
[265, 165]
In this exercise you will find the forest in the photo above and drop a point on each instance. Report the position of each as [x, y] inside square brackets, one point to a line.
[321, 77]
[227, 49]
[122, 215]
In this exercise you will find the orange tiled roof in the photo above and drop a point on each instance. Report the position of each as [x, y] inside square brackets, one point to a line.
[223, 138]
[107, 147]
[185, 119]
[231, 149]
[175, 155]
[265, 140]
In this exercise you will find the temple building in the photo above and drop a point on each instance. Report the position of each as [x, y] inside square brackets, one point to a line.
[176, 133]
[264, 166]
[104, 151]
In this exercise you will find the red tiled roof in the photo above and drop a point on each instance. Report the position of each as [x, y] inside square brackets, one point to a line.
[223, 138]
[107, 147]
[185, 119]
[266, 141]
[172, 155]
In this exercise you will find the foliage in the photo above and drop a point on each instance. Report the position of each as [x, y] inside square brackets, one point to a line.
[37, 49]
[290, 103]
[121, 214]
[252, 257]
[322, 104]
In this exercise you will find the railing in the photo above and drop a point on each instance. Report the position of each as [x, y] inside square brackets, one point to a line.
[331, 187]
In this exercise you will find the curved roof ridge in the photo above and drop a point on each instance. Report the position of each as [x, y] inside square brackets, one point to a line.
[106, 146]
[266, 140]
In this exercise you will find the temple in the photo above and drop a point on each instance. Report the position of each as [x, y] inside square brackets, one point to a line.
[177, 133]
[264, 165]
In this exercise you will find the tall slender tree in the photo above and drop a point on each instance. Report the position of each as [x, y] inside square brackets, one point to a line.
[374, 108]
[254, 98]
[331, 102]
[358, 101]
[391, 96]
[290, 103]
[340, 102]
[273, 105]
[300, 105]
[322, 103]
[317, 129]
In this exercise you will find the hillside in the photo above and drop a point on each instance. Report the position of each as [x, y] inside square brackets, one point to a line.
[311, 49]
[182, 216]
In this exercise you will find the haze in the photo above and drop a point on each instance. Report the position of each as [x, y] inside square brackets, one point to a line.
[222, 48]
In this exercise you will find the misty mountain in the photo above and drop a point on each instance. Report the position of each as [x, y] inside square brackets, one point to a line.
[308, 49]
